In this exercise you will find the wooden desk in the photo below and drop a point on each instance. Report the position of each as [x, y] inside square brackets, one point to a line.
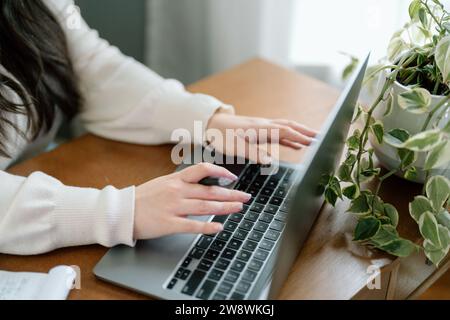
[328, 267]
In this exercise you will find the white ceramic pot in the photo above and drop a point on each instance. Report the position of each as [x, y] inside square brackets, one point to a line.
[413, 123]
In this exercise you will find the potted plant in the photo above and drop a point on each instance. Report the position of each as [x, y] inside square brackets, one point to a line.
[407, 127]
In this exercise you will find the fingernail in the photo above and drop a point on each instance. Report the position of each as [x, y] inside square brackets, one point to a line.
[219, 227]
[247, 195]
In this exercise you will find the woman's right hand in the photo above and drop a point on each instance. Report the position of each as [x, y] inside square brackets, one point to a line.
[163, 204]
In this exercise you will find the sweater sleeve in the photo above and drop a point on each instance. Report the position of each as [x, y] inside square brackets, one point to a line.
[123, 99]
[39, 214]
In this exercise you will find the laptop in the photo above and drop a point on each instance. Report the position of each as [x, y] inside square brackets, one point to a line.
[252, 256]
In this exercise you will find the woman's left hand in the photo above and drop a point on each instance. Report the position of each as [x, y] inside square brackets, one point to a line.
[290, 134]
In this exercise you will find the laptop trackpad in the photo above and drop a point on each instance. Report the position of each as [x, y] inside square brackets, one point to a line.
[148, 265]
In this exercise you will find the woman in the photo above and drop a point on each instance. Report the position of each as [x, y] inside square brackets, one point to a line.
[52, 69]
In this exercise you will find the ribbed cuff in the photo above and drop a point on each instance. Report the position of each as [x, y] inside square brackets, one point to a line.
[87, 216]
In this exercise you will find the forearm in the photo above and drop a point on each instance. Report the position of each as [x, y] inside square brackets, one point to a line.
[39, 214]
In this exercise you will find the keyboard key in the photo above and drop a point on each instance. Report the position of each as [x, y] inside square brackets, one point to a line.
[234, 244]
[205, 265]
[228, 254]
[253, 191]
[225, 287]
[280, 193]
[281, 216]
[193, 282]
[172, 283]
[272, 235]
[244, 255]
[238, 265]
[255, 235]
[277, 225]
[240, 234]
[212, 254]
[197, 253]
[262, 199]
[219, 296]
[255, 265]
[249, 275]
[272, 209]
[267, 192]
[261, 226]
[266, 217]
[232, 276]
[250, 245]
[204, 242]
[266, 244]
[272, 183]
[257, 207]
[224, 235]
[259, 182]
[182, 273]
[220, 219]
[252, 216]
[241, 186]
[179, 272]
[206, 289]
[276, 201]
[230, 225]
[284, 207]
[186, 262]
[246, 225]
[289, 173]
[261, 254]
[236, 217]
[250, 201]
[237, 296]
[222, 264]
[215, 274]
[243, 286]
[218, 245]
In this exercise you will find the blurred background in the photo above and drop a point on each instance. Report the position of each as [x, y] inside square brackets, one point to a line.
[190, 39]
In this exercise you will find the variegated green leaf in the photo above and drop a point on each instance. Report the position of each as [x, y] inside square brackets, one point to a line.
[366, 228]
[438, 191]
[392, 213]
[423, 141]
[415, 100]
[434, 254]
[418, 206]
[400, 247]
[428, 227]
[396, 137]
[439, 156]
[443, 217]
[442, 57]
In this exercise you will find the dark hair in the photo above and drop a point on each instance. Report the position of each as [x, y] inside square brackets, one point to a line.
[33, 49]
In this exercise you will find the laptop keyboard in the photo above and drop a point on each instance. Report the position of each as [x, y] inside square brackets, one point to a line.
[227, 265]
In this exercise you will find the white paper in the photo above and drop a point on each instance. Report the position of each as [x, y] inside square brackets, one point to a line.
[55, 285]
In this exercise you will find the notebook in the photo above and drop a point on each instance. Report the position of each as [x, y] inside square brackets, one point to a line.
[54, 285]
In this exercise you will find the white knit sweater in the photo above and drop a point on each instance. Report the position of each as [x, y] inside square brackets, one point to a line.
[123, 100]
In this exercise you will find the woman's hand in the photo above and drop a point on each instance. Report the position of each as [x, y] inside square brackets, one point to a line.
[291, 134]
[163, 204]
